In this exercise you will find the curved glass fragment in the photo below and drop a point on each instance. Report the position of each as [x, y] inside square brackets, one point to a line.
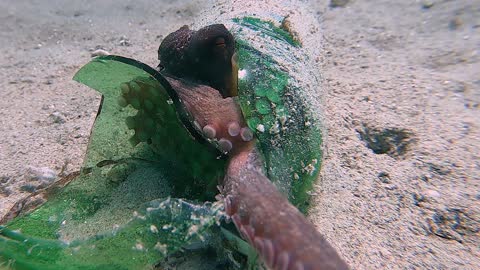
[112, 216]
[143, 147]
[275, 106]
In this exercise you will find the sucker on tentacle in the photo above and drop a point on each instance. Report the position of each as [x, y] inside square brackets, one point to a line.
[284, 238]
[214, 114]
[197, 64]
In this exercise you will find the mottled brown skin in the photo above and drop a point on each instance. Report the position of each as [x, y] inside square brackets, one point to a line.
[202, 56]
[264, 217]
[208, 107]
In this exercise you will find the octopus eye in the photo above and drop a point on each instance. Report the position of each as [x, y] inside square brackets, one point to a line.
[160, 67]
[220, 42]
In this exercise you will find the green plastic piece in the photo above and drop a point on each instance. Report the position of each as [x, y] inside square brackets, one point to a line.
[113, 216]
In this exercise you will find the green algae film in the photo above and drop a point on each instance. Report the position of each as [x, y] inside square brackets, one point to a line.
[273, 107]
[149, 117]
[162, 227]
[268, 29]
[108, 217]
[90, 225]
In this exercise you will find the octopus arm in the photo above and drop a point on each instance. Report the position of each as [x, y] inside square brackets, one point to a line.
[282, 236]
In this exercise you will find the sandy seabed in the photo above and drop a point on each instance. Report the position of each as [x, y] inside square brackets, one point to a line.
[400, 183]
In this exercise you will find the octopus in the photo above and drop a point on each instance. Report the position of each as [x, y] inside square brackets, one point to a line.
[198, 75]
[201, 68]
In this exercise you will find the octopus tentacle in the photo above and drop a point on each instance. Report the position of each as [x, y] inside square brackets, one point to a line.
[284, 238]
[200, 66]
[209, 131]
[218, 118]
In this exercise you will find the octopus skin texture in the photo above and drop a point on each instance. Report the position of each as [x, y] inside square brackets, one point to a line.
[282, 236]
[203, 56]
[263, 216]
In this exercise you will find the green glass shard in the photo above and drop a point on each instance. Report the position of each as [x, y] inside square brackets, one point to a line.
[253, 122]
[267, 28]
[149, 113]
[111, 215]
[289, 138]
[260, 91]
[262, 106]
[143, 148]
[148, 236]
[274, 97]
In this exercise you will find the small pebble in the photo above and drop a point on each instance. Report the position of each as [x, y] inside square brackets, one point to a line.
[4, 179]
[125, 42]
[261, 128]
[139, 246]
[430, 193]
[161, 248]
[28, 188]
[196, 125]
[48, 107]
[153, 229]
[43, 174]
[338, 3]
[5, 191]
[417, 199]
[37, 178]
[99, 52]
[384, 177]
[134, 141]
[57, 118]
[426, 4]
[455, 24]
[391, 187]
